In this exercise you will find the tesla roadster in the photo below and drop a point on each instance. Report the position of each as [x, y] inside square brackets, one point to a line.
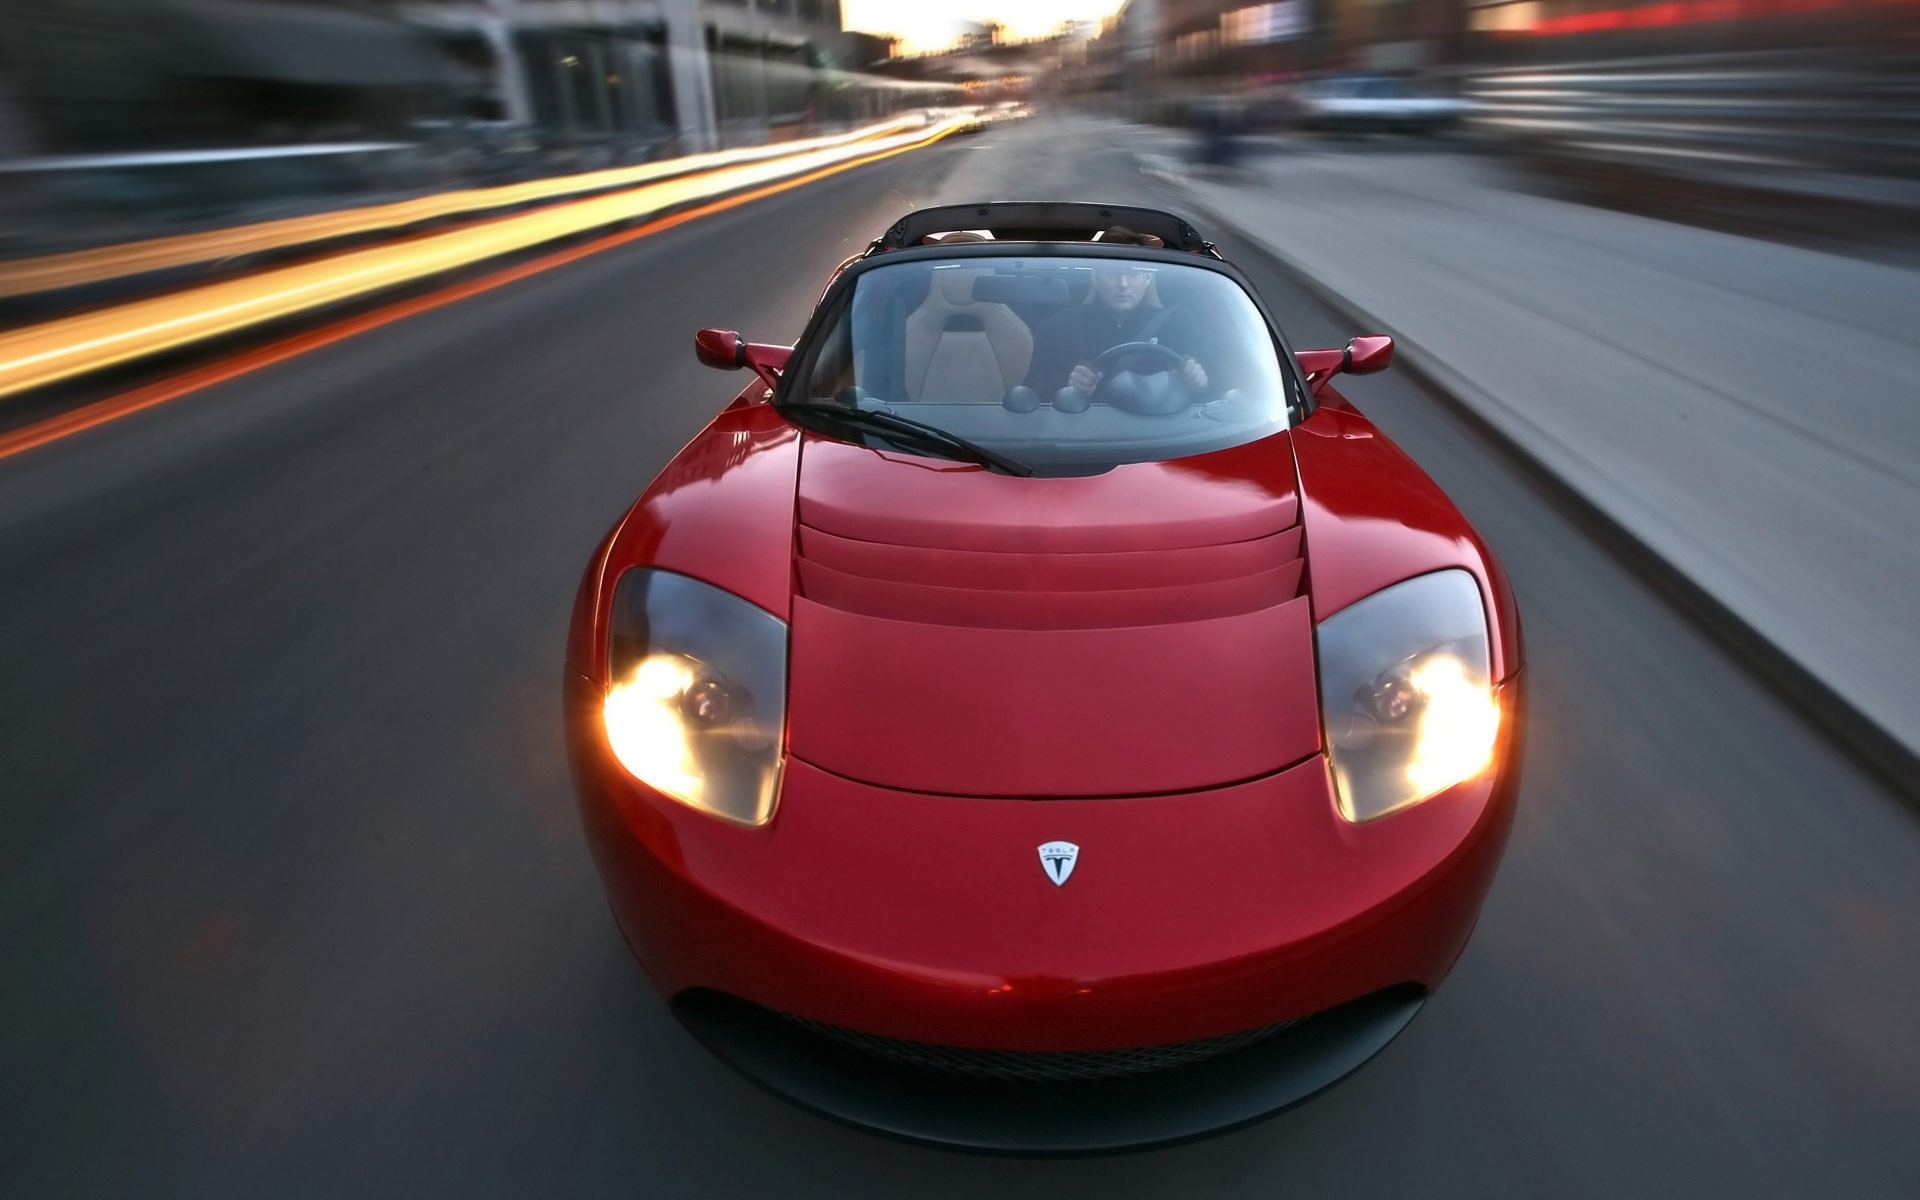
[1039, 714]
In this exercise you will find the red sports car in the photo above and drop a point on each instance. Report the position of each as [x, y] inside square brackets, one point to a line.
[1039, 714]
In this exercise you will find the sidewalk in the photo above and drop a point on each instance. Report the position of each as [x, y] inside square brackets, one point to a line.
[1750, 412]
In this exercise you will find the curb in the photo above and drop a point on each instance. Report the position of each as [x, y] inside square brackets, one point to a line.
[1890, 760]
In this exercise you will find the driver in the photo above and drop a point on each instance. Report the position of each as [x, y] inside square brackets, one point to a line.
[1122, 307]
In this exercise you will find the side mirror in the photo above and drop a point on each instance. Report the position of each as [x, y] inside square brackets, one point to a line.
[723, 349]
[720, 348]
[1362, 356]
[1365, 355]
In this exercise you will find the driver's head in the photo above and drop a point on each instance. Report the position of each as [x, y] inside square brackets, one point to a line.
[1121, 287]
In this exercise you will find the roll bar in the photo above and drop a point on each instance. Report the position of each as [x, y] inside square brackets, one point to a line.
[1025, 221]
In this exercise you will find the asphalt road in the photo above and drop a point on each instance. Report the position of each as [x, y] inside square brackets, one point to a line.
[293, 899]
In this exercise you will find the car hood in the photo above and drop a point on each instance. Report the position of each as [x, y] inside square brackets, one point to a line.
[1137, 632]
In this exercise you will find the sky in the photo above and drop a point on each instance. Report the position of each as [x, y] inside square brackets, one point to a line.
[933, 24]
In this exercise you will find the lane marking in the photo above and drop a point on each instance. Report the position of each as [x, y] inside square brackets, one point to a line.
[101, 412]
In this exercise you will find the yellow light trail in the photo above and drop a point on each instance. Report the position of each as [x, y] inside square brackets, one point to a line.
[47, 353]
[48, 272]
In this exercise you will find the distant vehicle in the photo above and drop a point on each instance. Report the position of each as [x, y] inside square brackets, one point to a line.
[1364, 103]
[1044, 769]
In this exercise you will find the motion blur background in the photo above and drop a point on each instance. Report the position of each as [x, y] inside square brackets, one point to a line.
[1748, 107]
[334, 335]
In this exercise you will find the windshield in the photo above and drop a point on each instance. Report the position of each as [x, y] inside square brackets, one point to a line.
[1057, 362]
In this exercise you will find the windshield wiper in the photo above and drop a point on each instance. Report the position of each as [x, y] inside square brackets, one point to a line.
[906, 428]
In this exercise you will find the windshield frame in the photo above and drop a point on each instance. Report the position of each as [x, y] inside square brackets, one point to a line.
[1300, 400]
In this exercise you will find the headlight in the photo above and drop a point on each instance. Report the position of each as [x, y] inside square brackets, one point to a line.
[1405, 693]
[698, 695]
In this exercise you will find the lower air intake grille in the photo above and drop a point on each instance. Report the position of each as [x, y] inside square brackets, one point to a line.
[1039, 1066]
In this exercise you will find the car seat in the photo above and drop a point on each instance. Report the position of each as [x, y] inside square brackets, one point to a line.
[959, 350]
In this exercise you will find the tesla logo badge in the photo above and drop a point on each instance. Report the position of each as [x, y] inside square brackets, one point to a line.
[1057, 859]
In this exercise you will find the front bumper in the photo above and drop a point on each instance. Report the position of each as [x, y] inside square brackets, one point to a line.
[1046, 1117]
[929, 918]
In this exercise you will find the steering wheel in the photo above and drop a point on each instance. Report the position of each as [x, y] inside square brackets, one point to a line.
[1171, 359]
[1157, 391]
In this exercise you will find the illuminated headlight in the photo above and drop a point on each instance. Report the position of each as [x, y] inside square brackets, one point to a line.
[698, 694]
[1405, 692]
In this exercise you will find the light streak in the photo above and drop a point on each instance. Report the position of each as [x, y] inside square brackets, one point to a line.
[112, 408]
[52, 351]
[49, 272]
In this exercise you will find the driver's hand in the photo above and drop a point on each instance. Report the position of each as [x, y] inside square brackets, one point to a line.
[1083, 379]
[1194, 375]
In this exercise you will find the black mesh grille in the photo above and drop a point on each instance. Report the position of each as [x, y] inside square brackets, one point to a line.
[1039, 1066]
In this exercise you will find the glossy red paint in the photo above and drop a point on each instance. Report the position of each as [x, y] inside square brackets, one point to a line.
[1373, 518]
[1319, 366]
[1120, 711]
[930, 918]
[721, 349]
[1361, 356]
[980, 664]
[768, 361]
[1365, 355]
[724, 350]
[721, 511]
[903, 499]
[1073, 624]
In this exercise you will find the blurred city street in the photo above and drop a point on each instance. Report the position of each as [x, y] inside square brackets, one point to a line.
[334, 334]
[293, 889]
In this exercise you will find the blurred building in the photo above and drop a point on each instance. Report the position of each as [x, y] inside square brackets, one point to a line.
[120, 116]
[701, 72]
[1392, 36]
[978, 35]
[1736, 105]
[864, 51]
[109, 75]
[1238, 41]
[1235, 39]
[985, 67]
[105, 75]
[1159, 58]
